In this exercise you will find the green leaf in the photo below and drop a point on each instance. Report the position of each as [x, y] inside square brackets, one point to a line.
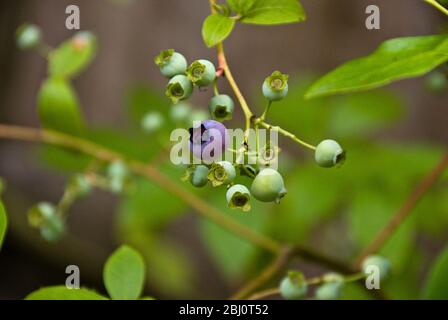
[216, 28]
[394, 59]
[268, 12]
[63, 293]
[58, 107]
[124, 274]
[72, 56]
[436, 287]
[3, 223]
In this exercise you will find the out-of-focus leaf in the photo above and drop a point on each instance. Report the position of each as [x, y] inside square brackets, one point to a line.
[3, 223]
[394, 59]
[164, 258]
[63, 293]
[231, 253]
[370, 211]
[268, 12]
[436, 283]
[72, 56]
[124, 274]
[58, 107]
[216, 28]
[359, 114]
[62, 159]
[313, 195]
[142, 99]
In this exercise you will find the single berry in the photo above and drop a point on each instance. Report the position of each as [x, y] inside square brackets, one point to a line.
[117, 173]
[293, 286]
[275, 87]
[221, 107]
[152, 121]
[197, 176]
[437, 82]
[28, 36]
[208, 140]
[180, 111]
[238, 196]
[171, 63]
[201, 72]
[44, 217]
[179, 88]
[332, 287]
[329, 153]
[268, 186]
[222, 172]
[80, 185]
[380, 262]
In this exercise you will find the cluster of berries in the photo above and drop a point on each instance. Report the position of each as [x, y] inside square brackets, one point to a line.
[268, 184]
[295, 287]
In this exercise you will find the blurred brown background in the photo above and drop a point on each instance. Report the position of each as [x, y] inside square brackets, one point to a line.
[130, 34]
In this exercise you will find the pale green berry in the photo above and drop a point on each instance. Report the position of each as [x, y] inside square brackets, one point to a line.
[171, 63]
[380, 262]
[332, 287]
[275, 87]
[268, 186]
[293, 286]
[437, 82]
[53, 229]
[222, 172]
[179, 88]
[221, 107]
[238, 196]
[117, 173]
[28, 36]
[38, 214]
[180, 111]
[201, 72]
[329, 291]
[79, 184]
[199, 177]
[152, 121]
[329, 153]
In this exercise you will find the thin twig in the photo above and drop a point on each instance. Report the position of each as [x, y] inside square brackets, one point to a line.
[437, 5]
[264, 294]
[398, 218]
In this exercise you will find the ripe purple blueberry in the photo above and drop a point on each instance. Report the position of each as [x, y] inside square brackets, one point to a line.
[208, 140]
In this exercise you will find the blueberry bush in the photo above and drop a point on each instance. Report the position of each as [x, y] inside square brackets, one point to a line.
[257, 217]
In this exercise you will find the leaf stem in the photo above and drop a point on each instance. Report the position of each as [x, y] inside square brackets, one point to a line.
[400, 216]
[437, 5]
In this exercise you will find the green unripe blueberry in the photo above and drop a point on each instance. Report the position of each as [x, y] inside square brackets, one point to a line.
[198, 177]
[152, 121]
[293, 286]
[201, 72]
[117, 172]
[238, 196]
[268, 186]
[437, 82]
[171, 63]
[329, 153]
[221, 107]
[80, 185]
[380, 262]
[179, 88]
[222, 172]
[53, 229]
[180, 111]
[275, 87]
[332, 288]
[28, 36]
